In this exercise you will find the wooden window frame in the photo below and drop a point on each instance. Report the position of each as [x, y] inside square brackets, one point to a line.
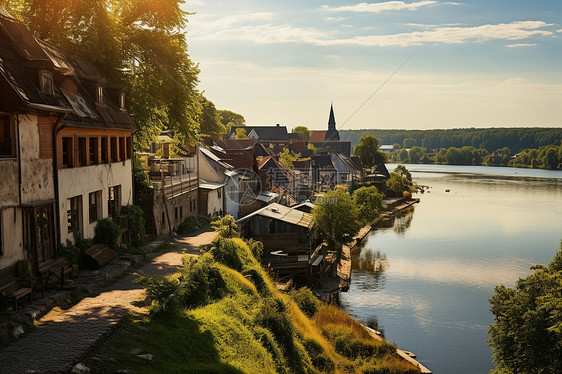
[104, 145]
[47, 82]
[67, 152]
[113, 151]
[94, 211]
[93, 150]
[10, 150]
[129, 147]
[82, 148]
[122, 149]
[73, 213]
[114, 200]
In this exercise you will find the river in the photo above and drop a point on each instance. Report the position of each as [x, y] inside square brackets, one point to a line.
[438, 263]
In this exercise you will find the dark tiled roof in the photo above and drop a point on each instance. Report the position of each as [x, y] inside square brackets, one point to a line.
[22, 57]
[263, 132]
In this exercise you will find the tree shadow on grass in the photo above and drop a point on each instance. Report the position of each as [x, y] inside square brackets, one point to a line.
[174, 338]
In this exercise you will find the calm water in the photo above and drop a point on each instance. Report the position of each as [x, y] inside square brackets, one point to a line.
[442, 259]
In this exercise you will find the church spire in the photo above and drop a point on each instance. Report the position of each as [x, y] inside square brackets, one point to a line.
[332, 120]
[332, 134]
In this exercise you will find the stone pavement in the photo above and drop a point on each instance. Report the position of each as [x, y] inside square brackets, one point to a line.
[63, 337]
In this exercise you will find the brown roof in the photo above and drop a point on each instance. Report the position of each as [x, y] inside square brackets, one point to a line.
[22, 57]
[317, 136]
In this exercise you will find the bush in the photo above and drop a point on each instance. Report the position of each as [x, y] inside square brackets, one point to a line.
[70, 251]
[257, 249]
[225, 226]
[201, 282]
[135, 222]
[232, 252]
[160, 291]
[188, 226]
[107, 232]
[306, 300]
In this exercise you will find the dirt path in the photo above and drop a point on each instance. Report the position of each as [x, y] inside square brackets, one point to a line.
[65, 336]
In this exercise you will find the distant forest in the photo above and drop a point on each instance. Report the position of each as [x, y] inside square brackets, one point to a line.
[491, 139]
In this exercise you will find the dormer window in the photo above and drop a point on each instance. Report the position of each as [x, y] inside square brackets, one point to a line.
[99, 95]
[122, 100]
[46, 82]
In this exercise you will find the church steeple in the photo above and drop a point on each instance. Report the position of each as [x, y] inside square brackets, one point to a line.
[332, 120]
[332, 134]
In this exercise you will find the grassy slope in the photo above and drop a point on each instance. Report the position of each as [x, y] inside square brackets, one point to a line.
[236, 323]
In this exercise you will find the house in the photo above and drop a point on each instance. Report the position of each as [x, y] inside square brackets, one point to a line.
[288, 237]
[276, 132]
[276, 176]
[349, 169]
[65, 147]
[173, 195]
[223, 179]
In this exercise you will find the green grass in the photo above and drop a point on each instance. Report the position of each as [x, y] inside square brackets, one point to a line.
[226, 316]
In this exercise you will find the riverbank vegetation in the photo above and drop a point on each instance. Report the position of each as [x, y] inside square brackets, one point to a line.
[490, 139]
[222, 313]
[526, 336]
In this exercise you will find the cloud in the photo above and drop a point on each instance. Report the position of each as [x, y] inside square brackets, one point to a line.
[519, 45]
[224, 30]
[336, 19]
[379, 7]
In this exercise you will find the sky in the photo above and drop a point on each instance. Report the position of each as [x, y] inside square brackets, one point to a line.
[422, 64]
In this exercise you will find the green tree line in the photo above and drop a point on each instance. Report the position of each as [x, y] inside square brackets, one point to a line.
[491, 139]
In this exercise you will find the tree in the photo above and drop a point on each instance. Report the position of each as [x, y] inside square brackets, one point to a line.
[409, 143]
[288, 157]
[229, 119]
[210, 123]
[241, 133]
[311, 147]
[400, 180]
[369, 202]
[526, 336]
[337, 217]
[303, 131]
[225, 227]
[415, 154]
[139, 43]
[368, 151]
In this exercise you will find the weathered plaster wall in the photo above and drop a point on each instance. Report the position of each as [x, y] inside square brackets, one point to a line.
[37, 173]
[81, 181]
[214, 203]
[181, 203]
[232, 196]
[9, 182]
[11, 237]
[209, 170]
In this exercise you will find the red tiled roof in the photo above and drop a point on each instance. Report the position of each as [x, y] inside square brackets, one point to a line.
[317, 136]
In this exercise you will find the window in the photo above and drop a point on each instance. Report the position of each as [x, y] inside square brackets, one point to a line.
[66, 152]
[114, 150]
[129, 147]
[104, 156]
[219, 193]
[73, 213]
[122, 101]
[181, 212]
[122, 149]
[163, 219]
[176, 213]
[46, 83]
[99, 95]
[82, 152]
[114, 201]
[94, 206]
[94, 151]
[7, 143]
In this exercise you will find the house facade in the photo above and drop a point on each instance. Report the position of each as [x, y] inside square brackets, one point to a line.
[65, 147]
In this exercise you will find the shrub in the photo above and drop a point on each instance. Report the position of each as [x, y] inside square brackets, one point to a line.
[232, 252]
[201, 281]
[225, 226]
[107, 232]
[257, 249]
[160, 291]
[70, 251]
[188, 226]
[135, 222]
[306, 300]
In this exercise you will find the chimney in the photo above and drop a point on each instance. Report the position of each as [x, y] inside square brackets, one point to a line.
[277, 125]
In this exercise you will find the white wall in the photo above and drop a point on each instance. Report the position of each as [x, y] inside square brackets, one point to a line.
[214, 203]
[232, 196]
[81, 181]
